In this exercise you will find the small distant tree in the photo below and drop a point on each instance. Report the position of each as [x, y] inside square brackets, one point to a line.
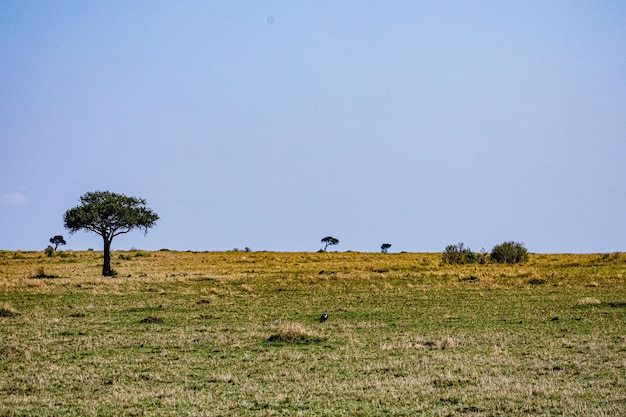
[509, 252]
[329, 241]
[108, 215]
[385, 247]
[57, 240]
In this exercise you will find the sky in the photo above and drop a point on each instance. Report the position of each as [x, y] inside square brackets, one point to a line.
[273, 124]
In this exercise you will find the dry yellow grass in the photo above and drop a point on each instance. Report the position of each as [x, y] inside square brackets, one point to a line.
[294, 333]
[181, 333]
[417, 343]
[588, 301]
[139, 269]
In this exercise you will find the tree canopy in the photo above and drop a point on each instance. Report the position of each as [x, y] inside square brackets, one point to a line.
[108, 215]
[329, 240]
[57, 240]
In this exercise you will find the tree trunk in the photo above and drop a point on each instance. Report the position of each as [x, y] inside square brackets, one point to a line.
[106, 265]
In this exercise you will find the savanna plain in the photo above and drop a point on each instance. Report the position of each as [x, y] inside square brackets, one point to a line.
[238, 333]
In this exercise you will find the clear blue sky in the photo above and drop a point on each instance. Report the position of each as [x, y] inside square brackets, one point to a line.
[272, 124]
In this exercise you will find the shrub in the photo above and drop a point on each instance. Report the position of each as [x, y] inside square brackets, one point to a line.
[459, 254]
[509, 252]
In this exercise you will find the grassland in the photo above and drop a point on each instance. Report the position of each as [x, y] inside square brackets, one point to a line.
[222, 334]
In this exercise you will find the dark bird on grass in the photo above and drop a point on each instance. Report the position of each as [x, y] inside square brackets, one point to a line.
[324, 317]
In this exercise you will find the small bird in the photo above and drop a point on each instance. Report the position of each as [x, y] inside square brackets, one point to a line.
[324, 317]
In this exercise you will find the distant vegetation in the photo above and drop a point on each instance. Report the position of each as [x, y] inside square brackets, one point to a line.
[507, 252]
[57, 240]
[459, 255]
[329, 241]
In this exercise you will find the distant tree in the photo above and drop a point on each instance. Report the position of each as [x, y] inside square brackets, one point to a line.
[57, 240]
[328, 241]
[509, 252]
[385, 247]
[108, 215]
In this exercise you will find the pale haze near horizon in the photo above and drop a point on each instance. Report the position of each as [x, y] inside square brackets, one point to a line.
[271, 125]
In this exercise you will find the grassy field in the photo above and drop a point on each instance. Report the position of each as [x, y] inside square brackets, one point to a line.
[222, 334]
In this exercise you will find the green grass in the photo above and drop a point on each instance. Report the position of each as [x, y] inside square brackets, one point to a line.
[221, 334]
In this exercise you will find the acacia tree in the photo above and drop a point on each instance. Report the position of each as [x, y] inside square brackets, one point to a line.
[109, 214]
[57, 240]
[385, 247]
[329, 240]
